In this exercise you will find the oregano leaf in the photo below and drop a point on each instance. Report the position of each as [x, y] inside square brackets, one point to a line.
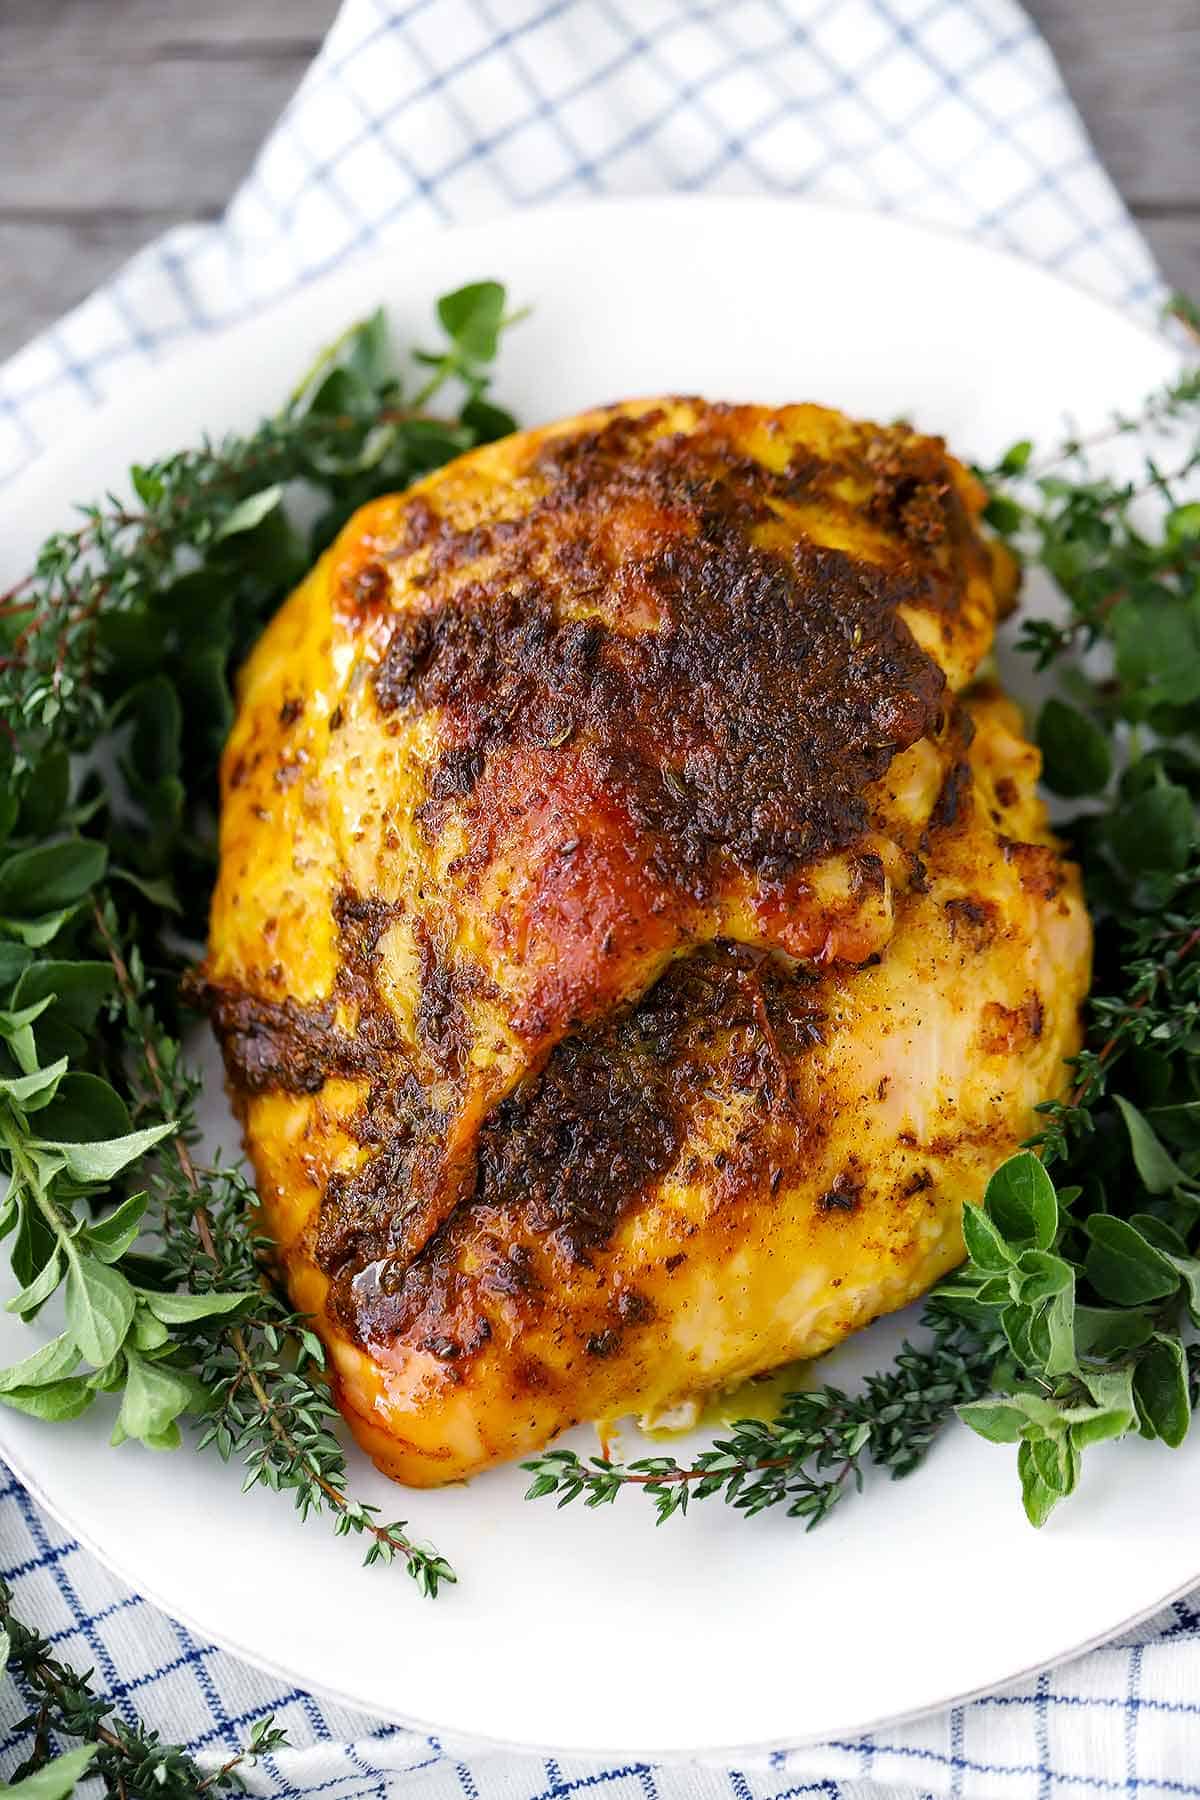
[248, 513]
[57, 1402]
[101, 1161]
[1123, 1267]
[1157, 1168]
[36, 1292]
[109, 1238]
[100, 1303]
[182, 1309]
[1038, 1498]
[154, 1396]
[985, 1245]
[1077, 758]
[1161, 1385]
[49, 877]
[1021, 1202]
[471, 316]
[49, 1363]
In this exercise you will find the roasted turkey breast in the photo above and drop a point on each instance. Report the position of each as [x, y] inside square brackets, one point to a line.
[636, 933]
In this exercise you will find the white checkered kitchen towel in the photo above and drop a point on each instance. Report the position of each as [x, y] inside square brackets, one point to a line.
[447, 110]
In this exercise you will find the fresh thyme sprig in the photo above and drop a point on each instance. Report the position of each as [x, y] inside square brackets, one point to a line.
[812, 1453]
[115, 658]
[131, 1762]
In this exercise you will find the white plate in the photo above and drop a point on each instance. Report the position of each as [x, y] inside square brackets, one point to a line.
[581, 1631]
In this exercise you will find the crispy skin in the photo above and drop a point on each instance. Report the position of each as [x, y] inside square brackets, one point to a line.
[631, 947]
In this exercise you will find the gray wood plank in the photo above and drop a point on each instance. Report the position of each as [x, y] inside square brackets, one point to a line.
[172, 135]
[121, 117]
[137, 30]
[1134, 71]
[51, 264]
[1175, 240]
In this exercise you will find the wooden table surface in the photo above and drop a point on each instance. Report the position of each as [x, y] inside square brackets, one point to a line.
[102, 144]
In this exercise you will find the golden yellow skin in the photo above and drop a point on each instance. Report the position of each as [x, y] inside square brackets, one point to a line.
[425, 967]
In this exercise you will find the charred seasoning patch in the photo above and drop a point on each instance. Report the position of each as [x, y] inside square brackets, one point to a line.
[972, 920]
[440, 1018]
[571, 1151]
[776, 685]
[844, 1195]
[277, 1045]
[912, 491]
[284, 1046]
[294, 1048]
[951, 795]
[633, 1308]
[1008, 1030]
[608, 1113]
[358, 1211]
[361, 921]
[446, 983]
[365, 1215]
[1040, 868]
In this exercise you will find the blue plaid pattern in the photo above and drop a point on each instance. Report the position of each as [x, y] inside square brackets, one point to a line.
[422, 112]
[427, 111]
[1122, 1721]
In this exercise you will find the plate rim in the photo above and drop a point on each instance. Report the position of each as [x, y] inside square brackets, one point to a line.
[710, 1756]
[215, 338]
[216, 344]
